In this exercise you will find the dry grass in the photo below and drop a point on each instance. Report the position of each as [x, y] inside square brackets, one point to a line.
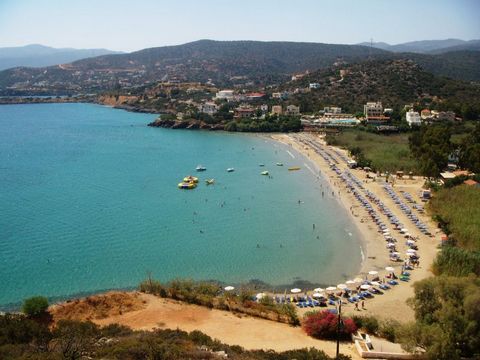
[98, 306]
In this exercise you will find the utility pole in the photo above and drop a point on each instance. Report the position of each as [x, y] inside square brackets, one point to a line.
[339, 320]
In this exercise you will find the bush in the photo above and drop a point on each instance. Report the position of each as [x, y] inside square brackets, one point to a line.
[35, 306]
[388, 330]
[323, 325]
[369, 323]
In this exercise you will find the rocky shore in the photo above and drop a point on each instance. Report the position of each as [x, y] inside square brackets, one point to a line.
[185, 124]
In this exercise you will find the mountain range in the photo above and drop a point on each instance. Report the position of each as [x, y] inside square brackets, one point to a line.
[242, 64]
[39, 55]
[428, 46]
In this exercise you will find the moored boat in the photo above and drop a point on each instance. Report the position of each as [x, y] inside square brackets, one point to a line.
[279, 164]
[230, 169]
[293, 168]
[210, 181]
[264, 173]
[187, 185]
[190, 179]
[200, 168]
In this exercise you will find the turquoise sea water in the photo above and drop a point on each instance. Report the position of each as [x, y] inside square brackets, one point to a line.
[89, 201]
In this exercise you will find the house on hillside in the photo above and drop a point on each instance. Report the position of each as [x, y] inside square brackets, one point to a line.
[314, 86]
[209, 108]
[293, 110]
[255, 96]
[277, 110]
[225, 95]
[413, 118]
[244, 111]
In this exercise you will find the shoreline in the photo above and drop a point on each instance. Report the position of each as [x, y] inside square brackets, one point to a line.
[392, 304]
[341, 198]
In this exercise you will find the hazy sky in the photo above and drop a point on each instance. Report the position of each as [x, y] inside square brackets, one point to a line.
[137, 24]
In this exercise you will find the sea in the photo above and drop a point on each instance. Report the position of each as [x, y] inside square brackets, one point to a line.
[89, 202]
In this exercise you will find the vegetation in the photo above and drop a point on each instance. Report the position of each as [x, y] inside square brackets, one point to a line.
[22, 338]
[35, 306]
[447, 316]
[323, 325]
[459, 209]
[380, 152]
[454, 261]
[393, 82]
[268, 124]
[431, 147]
[386, 329]
[211, 295]
[470, 150]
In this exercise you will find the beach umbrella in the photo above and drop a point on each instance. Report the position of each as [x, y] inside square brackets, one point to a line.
[350, 282]
[319, 290]
[358, 280]
[390, 245]
[411, 251]
[331, 288]
[342, 286]
[295, 290]
[260, 296]
[317, 295]
[390, 269]
[404, 230]
[410, 242]
[373, 272]
[375, 283]
[229, 288]
[365, 287]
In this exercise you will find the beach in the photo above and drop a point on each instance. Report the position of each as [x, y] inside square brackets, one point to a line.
[392, 304]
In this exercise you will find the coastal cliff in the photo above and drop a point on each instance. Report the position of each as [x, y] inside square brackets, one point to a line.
[191, 124]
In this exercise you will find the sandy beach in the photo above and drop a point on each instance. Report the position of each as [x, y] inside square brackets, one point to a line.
[392, 304]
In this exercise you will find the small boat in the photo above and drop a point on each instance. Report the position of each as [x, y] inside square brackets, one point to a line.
[187, 185]
[200, 168]
[261, 165]
[210, 181]
[264, 173]
[279, 164]
[191, 179]
[293, 168]
[230, 170]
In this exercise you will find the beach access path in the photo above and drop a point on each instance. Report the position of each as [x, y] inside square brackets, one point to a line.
[392, 304]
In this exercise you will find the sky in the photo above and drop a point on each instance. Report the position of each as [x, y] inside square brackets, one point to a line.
[136, 24]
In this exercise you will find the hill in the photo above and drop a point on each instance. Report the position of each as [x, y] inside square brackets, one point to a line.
[225, 63]
[425, 46]
[238, 64]
[38, 55]
[393, 82]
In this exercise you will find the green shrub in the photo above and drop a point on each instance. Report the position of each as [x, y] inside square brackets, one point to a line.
[369, 323]
[388, 329]
[35, 306]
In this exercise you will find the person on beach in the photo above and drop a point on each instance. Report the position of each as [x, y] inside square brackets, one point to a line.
[363, 305]
[356, 307]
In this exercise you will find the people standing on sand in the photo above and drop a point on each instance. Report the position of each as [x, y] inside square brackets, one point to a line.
[363, 304]
[356, 307]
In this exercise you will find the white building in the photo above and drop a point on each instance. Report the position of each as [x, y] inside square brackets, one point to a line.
[373, 109]
[413, 118]
[225, 95]
[332, 110]
[314, 86]
[209, 108]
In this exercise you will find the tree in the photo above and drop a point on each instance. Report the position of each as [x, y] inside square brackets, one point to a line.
[431, 145]
[35, 306]
[469, 157]
[447, 313]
